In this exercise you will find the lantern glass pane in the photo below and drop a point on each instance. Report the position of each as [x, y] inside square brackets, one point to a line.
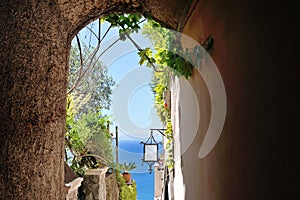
[151, 152]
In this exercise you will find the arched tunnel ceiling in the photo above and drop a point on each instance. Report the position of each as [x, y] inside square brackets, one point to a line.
[170, 13]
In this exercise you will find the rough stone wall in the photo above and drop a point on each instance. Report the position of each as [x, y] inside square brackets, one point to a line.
[94, 185]
[33, 76]
[72, 189]
[72, 195]
[112, 189]
[171, 13]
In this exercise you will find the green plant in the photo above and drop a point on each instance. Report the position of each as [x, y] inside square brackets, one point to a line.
[127, 167]
[87, 140]
[126, 192]
[89, 77]
[169, 53]
[159, 85]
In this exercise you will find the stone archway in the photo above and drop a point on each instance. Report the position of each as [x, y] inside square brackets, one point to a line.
[35, 41]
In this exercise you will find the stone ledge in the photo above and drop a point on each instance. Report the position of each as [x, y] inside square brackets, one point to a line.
[73, 185]
[95, 171]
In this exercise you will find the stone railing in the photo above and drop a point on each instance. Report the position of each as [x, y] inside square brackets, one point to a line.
[94, 185]
[72, 183]
[97, 184]
[72, 189]
[112, 189]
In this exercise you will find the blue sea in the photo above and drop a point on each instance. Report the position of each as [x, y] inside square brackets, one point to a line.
[132, 150]
[144, 185]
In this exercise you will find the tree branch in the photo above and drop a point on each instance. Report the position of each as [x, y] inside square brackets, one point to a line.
[91, 60]
[93, 32]
[139, 48]
[81, 65]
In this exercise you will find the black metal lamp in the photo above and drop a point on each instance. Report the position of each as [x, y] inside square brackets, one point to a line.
[150, 153]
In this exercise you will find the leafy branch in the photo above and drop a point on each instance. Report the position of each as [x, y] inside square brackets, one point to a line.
[84, 68]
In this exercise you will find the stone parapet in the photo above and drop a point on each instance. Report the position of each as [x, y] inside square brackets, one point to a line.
[94, 185]
[72, 189]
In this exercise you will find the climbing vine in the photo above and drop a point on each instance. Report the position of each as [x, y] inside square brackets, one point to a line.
[169, 56]
[159, 85]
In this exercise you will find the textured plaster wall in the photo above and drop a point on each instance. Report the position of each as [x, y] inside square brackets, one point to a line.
[246, 161]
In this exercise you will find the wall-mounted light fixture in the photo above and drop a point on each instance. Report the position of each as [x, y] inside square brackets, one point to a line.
[150, 152]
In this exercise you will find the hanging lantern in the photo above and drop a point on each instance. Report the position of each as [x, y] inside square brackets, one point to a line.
[150, 153]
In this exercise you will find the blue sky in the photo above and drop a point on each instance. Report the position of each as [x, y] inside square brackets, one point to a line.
[132, 109]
